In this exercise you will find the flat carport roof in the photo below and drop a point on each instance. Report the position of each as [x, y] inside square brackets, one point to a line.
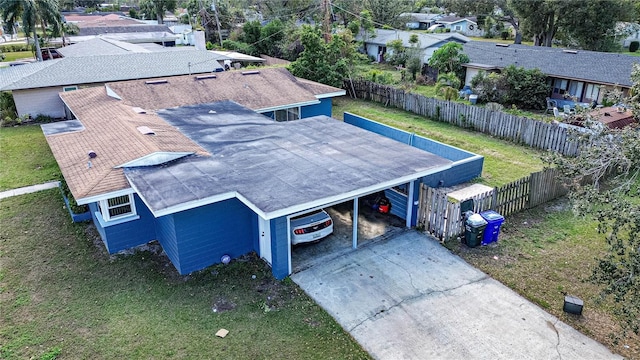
[275, 168]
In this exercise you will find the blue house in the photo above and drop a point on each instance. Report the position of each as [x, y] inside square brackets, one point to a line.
[217, 178]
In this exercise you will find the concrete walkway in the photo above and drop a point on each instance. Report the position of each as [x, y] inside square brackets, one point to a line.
[29, 189]
[410, 298]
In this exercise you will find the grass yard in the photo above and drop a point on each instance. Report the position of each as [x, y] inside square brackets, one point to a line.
[62, 295]
[545, 253]
[504, 162]
[17, 55]
[25, 157]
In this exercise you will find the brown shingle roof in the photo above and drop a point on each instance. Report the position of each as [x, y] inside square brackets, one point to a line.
[111, 132]
[265, 88]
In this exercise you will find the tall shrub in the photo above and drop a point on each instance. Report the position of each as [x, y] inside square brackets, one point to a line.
[633, 46]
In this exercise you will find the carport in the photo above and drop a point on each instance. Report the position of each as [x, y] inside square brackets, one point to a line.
[277, 170]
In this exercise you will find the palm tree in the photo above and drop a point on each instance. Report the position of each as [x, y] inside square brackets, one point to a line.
[448, 84]
[32, 13]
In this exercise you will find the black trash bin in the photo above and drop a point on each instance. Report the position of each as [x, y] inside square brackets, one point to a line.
[474, 230]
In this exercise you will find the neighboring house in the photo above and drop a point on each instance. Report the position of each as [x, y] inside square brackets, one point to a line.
[628, 32]
[105, 45]
[464, 25]
[121, 28]
[572, 73]
[419, 21]
[214, 178]
[428, 43]
[35, 86]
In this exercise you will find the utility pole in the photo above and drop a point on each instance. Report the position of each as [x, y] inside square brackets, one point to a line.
[215, 11]
[326, 21]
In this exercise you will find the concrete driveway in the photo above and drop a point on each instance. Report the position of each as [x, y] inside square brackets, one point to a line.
[407, 297]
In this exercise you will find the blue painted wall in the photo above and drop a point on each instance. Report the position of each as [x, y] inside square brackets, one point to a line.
[466, 165]
[166, 236]
[128, 234]
[205, 234]
[398, 203]
[324, 108]
[279, 248]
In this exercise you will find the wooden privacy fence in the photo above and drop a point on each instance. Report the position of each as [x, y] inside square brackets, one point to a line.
[441, 216]
[518, 129]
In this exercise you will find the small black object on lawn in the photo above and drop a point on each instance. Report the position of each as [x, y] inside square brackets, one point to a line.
[573, 305]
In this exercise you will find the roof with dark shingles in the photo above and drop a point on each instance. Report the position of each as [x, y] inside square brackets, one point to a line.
[591, 66]
[107, 68]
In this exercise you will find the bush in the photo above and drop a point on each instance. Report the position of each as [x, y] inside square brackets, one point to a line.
[380, 77]
[43, 119]
[504, 35]
[75, 208]
[527, 89]
[633, 46]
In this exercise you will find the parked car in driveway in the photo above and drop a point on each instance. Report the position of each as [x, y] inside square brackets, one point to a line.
[310, 227]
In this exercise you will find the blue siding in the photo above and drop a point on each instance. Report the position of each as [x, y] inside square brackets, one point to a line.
[128, 234]
[466, 166]
[458, 173]
[206, 233]
[324, 108]
[416, 197]
[279, 248]
[398, 203]
[166, 236]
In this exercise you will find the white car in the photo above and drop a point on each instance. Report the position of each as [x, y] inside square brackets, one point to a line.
[310, 227]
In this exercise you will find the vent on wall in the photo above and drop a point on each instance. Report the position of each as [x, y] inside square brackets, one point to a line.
[154, 82]
[203, 77]
[253, 72]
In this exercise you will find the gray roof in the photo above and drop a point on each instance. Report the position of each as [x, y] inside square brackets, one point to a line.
[278, 167]
[98, 30]
[455, 19]
[108, 46]
[383, 36]
[591, 66]
[106, 68]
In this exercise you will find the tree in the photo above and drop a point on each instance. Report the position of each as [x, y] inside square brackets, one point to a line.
[449, 58]
[448, 85]
[320, 61]
[363, 27]
[157, 8]
[604, 179]
[33, 13]
[385, 12]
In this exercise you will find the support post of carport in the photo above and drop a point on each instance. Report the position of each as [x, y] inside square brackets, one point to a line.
[409, 204]
[355, 223]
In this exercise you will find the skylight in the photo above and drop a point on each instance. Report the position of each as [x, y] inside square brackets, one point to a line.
[139, 110]
[154, 159]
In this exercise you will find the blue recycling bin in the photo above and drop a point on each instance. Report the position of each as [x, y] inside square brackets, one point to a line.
[494, 221]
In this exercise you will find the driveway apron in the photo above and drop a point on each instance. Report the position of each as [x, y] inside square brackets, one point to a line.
[407, 297]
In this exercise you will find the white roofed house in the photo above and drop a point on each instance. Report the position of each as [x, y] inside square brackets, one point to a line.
[428, 43]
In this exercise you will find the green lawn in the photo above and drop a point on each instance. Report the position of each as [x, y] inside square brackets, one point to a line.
[13, 56]
[504, 162]
[60, 293]
[25, 157]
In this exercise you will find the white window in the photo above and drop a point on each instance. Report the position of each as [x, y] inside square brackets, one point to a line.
[592, 93]
[458, 28]
[560, 86]
[287, 114]
[117, 207]
[575, 88]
